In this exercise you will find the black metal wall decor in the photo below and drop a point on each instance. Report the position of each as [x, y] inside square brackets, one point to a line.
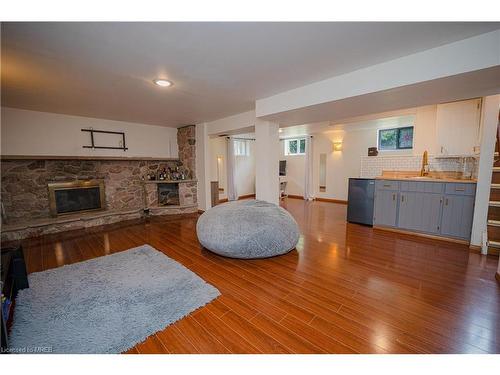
[93, 146]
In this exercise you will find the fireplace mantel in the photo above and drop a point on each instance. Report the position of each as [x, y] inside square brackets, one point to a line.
[58, 157]
[168, 181]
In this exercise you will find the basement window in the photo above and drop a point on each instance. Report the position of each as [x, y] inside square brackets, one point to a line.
[295, 146]
[395, 139]
[241, 148]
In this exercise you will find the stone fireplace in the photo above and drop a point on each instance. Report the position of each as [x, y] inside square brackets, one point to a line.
[76, 196]
[44, 194]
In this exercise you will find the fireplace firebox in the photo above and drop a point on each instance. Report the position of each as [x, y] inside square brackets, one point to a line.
[168, 194]
[76, 196]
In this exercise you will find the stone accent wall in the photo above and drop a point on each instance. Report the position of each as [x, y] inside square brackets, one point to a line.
[24, 183]
[188, 192]
[186, 140]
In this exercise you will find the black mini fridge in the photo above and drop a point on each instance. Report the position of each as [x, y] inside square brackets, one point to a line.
[360, 200]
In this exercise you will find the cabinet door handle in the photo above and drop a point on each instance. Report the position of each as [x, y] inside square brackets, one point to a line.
[459, 189]
[446, 202]
[387, 185]
[393, 197]
[402, 198]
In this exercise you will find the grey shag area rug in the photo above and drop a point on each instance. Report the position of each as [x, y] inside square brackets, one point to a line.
[247, 229]
[106, 304]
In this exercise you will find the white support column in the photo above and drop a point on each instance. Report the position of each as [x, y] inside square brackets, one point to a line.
[203, 167]
[267, 161]
[491, 106]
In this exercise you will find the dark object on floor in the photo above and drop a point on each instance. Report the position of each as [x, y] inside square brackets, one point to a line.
[14, 278]
[360, 200]
[372, 151]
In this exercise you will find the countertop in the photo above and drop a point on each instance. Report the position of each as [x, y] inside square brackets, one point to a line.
[428, 179]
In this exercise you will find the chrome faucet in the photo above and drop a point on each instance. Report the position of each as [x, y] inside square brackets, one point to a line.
[425, 165]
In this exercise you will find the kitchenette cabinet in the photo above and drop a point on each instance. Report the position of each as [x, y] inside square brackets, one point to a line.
[435, 208]
[458, 127]
[386, 202]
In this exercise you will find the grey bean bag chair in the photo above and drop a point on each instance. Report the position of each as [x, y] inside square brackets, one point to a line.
[247, 229]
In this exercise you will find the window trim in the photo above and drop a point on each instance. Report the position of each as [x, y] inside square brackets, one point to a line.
[397, 149]
[298, 153]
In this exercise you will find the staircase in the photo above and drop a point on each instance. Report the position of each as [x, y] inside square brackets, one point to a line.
[494, 206]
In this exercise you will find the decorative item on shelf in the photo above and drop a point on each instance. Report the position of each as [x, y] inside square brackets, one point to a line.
[337, 146]
[372, 151]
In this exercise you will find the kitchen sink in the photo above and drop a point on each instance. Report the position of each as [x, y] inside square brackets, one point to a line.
[424, 178]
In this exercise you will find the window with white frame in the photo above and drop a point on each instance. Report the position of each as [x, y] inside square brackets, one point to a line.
[241, 147]
[295, 146]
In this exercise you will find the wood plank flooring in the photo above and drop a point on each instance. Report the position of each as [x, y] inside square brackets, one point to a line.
[345, 289]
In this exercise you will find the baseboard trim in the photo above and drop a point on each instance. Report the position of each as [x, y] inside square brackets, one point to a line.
[475, 249]
[431, 236]
[224, 200]
[338, 201]
[295, 196]
[493, 251]
[246, 196]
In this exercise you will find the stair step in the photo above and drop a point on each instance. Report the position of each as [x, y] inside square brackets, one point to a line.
[494, 203]
[495, 186]
[496, 169]
[495, 223]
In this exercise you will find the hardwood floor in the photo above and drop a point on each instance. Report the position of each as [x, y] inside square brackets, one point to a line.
[345, 289]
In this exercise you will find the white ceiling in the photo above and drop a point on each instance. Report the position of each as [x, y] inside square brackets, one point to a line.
[105, 70]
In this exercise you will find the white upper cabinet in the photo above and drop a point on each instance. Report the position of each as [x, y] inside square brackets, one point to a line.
[457, 127]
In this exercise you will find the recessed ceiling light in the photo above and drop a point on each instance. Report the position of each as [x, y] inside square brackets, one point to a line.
[163, 82]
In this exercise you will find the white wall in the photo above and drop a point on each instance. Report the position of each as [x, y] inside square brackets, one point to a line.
[202, 169]
[356, 138]
[245, 166]
[218, 147]
[245, 172]
[491, 106]
[49, 134]
[295, 169]
[267, 161]
[340, 165]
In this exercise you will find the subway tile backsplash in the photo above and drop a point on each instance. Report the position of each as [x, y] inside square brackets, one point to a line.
[372, 166]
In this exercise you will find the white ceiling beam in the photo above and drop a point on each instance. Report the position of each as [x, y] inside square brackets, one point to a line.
[480, 53]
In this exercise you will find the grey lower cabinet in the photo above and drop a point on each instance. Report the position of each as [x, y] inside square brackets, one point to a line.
[458, 211]
[420, 211]
[385, 210]
[437, 208]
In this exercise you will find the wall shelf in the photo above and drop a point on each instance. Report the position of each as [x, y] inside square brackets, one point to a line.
[67, 157]
[456, 156]
[167, 181]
